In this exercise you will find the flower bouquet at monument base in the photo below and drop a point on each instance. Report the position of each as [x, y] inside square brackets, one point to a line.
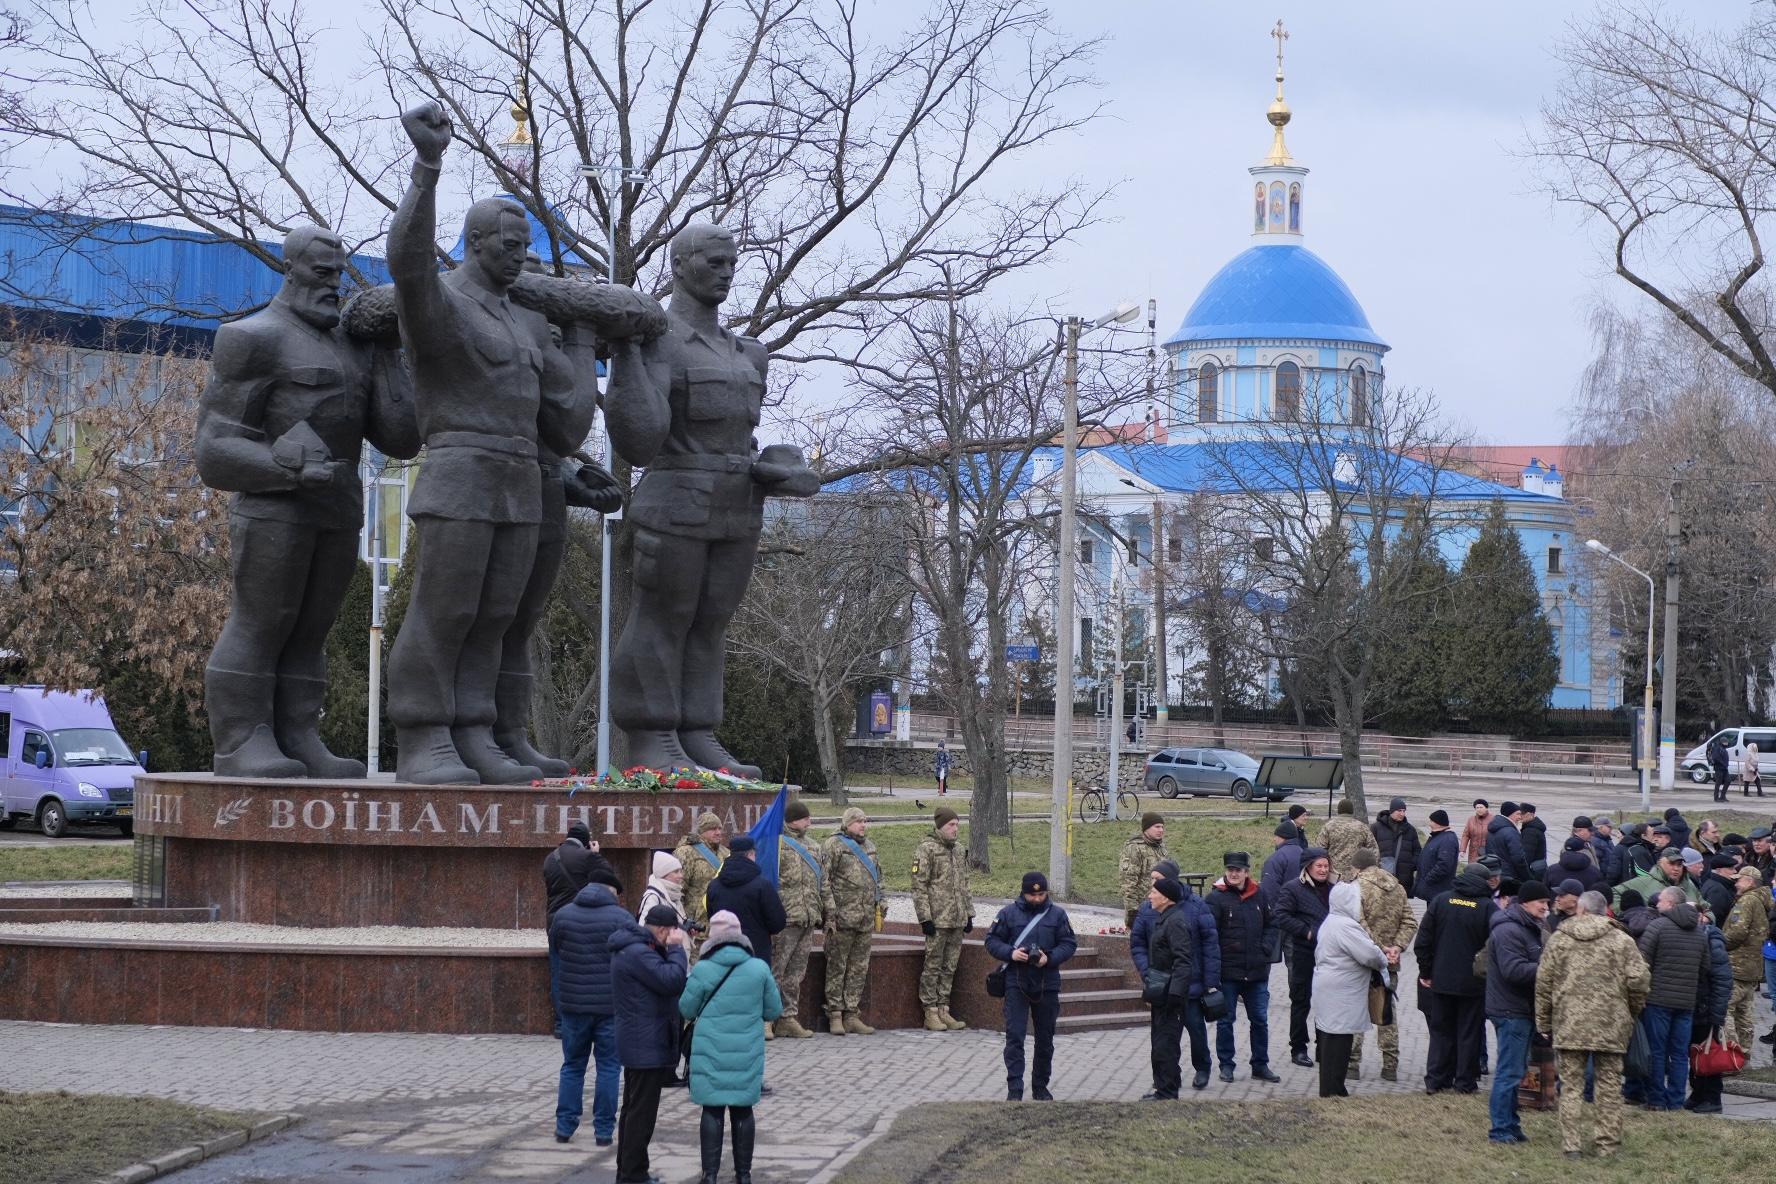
[641, 779]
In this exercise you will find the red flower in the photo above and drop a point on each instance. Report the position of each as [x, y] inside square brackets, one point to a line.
[687, 783]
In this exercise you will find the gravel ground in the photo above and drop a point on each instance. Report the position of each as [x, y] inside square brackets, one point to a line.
[73, 889]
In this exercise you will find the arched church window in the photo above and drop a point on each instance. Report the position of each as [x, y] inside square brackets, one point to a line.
[1295, 208]
[1258, 206]
[1278, 205]
[1208, 389]
[1288, 392]
[1359, 396]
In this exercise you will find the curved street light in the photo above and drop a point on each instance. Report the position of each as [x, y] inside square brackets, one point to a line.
[1646, 723]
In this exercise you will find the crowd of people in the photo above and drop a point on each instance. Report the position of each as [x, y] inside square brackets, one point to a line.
[1599, 964]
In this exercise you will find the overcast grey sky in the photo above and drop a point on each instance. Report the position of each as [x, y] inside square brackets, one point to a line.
[1409, 115]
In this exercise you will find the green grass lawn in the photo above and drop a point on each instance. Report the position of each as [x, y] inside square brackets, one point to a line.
[1392, 1139]
[61, 1138]
[1197, 845]
[66, 863]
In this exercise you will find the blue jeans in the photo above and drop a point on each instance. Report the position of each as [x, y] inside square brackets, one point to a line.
[1255, 998]
[580, 1036]
[1513, 1035]
[1770, 977]
[1668, 1038]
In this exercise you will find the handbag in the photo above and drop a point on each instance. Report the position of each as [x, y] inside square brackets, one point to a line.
[1213, 1004]
[1381, 1000]
[1638, 1060]
[996, 976]
[1155, 987]
[691, 1024]
[1711, 1058]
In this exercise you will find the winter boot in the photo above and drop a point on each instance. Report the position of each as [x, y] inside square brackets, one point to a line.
[296, 722]
[1390, 1068]
[770, 1034]
[709, 1140]
[788, 1027]
[934, 1021]
[745, 1134]
[489, 761]
[835, 1023]
[854, 1024]
[511, 697]
[950, 1021]
[427, 757]
[707, 751]
[655, 750]
[1769, 1038]
[240, 709]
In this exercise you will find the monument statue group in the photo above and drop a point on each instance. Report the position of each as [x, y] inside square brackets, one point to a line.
[490, 368]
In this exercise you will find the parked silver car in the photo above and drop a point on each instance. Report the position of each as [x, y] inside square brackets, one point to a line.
[1172, 771]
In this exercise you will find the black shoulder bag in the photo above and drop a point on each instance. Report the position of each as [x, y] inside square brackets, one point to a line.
[996, 976]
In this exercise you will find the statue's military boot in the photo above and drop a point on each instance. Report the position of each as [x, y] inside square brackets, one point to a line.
[488, 760]
[240, 706]
[511, 697]
[426, 756]
[297, 725]
[657, 750]
[954, 1024]
[707, 751]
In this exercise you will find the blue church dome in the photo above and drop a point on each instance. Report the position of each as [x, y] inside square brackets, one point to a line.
[1276, 290]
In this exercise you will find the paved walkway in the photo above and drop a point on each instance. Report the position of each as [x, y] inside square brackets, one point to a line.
[422, 1109]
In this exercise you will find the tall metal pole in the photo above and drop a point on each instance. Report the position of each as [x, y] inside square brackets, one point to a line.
[1059, 858]
[1646, 724]
[1116, 687]
[1668, 688]
[373, 507]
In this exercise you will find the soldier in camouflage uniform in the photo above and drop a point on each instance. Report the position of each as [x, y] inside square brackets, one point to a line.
[799, 883]
[852, 898]
[1135, 868]
[1387, 919]
[1342, 836]
[1590, 986]
[1745, 929]
[702, 856]
[945, 911]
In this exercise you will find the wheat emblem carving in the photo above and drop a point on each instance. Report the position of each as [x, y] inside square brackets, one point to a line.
[232, 811]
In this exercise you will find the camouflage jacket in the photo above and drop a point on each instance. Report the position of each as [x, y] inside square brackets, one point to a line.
[1387, 914]
[1135, 869]
[851, 895]
[940, 882]
[698, 875]
[1590, 986]
[1341, 837]
[798, 884]
[1746, 927]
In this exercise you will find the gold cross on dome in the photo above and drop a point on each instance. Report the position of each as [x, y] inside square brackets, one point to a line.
[1281, 36]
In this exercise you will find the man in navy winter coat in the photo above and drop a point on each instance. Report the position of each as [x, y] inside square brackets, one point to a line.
[1504, 841]
[1247, 934]
[1033, 937]
[741, 889]
[1513, 952]
[1147, 918]
[1437, 862]
[579, 953]
[648, 969]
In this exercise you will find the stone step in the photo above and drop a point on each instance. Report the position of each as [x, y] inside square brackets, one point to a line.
[1095, 1002]
[1101, 1021]
[1083, 977]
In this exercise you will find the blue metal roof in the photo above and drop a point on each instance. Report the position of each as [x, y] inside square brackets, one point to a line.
[1276, 292]
[89, 275]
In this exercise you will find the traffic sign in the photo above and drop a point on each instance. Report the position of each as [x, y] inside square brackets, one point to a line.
[1023, 653]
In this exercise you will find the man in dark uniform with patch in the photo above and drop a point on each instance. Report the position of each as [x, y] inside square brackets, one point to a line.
[685, 406]
[290, 401]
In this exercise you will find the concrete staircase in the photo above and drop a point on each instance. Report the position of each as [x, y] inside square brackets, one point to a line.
[1100, 990]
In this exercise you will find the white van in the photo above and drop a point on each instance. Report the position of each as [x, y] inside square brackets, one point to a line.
[1695, 762]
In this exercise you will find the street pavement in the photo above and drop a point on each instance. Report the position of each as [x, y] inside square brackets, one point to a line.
[425, 1109]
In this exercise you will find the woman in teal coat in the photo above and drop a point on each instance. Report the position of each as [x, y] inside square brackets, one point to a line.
[731, 996]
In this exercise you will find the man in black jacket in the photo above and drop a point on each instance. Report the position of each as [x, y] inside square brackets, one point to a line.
[1718, 887]
[743, 890]
[1247, 932]
[1679, 827]
[1512, 953]
[1534, 835]
[1675, 947]
[648, 971]
[1503, 841]
[569, 867]
[1397, 840]
[1299, 908]
[1033, 937]
[1453, 999]
[1438, 861]
[1168, 961]
[579, 952]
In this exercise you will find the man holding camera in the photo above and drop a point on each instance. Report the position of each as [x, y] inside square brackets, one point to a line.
[1033, 938]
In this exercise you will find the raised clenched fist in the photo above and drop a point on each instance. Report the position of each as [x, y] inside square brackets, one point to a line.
[429, 129]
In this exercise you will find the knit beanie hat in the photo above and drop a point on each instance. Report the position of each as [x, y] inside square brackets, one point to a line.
[724, 926]
[741, 844]
[943, 817]
[1397, 804]
[1151, 819]
[1034, 882]
[1440, 817]
[1574, 843]
[1582, 822]
[1570, 888]
[1171, 890]
[1167, 869]
[708, 822]
[795, 811]
[1534, 890]
[851, 814]
[1364, 857]
[1286, 830]
[580, 831]
[1345, 807]
[665, 863]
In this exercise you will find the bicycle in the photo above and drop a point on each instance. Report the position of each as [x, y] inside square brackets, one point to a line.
[1094, 804]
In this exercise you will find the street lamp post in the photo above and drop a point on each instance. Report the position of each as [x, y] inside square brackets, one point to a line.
[1646, 724]
[1060, 867]
[613, 177]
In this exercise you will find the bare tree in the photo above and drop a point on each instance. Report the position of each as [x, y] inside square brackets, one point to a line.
[824, 605]
[1663, 134]
[1216, 598]
[1346, 510]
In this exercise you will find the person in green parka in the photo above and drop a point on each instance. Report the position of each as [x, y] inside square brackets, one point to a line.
[731, 996]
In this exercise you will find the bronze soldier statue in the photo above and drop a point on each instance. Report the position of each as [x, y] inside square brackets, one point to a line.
[290, 401]
[685, 406]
